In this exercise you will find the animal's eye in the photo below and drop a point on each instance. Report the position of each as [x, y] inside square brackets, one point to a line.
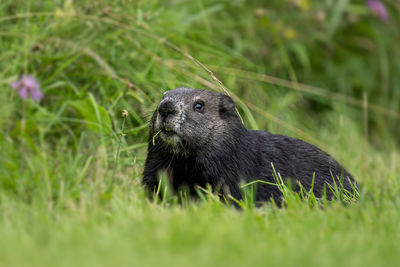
[198, 106]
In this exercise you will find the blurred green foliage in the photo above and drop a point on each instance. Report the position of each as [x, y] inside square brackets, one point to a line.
[324, 71]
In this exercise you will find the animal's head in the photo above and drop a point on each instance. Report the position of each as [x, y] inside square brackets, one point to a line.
[190, 119]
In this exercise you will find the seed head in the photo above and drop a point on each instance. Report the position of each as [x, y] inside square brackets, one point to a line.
[124, 113]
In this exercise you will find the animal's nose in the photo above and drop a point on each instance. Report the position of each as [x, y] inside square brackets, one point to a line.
[166, 108]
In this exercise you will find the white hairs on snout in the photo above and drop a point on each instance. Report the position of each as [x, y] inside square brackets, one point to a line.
[181, 112]
[175, 121]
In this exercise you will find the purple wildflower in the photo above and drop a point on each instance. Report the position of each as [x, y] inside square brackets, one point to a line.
[378, 8]
[28, 87]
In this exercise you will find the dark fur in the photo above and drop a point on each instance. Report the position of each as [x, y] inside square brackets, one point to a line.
[216, 149]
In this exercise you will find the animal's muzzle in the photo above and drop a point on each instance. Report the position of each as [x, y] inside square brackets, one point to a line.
[166, 108]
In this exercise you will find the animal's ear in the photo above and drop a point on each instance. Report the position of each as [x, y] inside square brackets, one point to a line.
[226, 106]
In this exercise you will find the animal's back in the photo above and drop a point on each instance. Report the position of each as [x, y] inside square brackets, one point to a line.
[299, 161]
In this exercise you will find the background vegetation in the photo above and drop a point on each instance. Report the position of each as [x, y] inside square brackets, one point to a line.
[70, 166]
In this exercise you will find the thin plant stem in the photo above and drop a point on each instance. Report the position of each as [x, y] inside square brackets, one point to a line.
[117, 154]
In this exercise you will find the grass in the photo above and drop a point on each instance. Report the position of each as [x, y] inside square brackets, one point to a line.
[70, 165]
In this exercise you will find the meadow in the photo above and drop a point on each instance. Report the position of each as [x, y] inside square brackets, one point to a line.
[324, 71]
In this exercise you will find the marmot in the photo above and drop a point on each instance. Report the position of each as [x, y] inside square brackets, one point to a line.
[197, 137]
